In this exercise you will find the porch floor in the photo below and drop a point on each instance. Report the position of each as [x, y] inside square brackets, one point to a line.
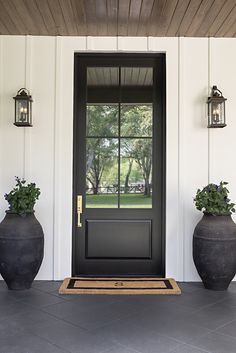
[41, 321]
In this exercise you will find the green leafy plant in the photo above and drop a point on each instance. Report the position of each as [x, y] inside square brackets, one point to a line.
[23, 197]
[213, 199]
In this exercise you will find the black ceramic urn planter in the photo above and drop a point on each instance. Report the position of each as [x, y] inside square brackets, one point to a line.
[21, 249]
[214, 250]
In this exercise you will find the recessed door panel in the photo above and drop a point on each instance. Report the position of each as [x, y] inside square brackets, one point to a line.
[117, 239]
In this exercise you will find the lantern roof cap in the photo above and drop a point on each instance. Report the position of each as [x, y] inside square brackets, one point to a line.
[216, 95]
[23, 93]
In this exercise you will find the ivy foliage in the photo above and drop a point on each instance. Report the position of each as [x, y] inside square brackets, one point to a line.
[23, 197]
[213, 199]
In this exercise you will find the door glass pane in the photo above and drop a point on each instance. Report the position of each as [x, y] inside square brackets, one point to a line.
[101, 173]
[136, 125]
[136, 173]
[136, 84]
[136, 120]
[102, 120]
[103, 85]
[102, 76]
[102, 124]
[137, 76]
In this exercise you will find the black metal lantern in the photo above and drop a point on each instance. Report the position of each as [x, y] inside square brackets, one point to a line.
[216, 108]
[23, 108]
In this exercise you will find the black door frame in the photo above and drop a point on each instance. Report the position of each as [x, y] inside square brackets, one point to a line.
[162, 106]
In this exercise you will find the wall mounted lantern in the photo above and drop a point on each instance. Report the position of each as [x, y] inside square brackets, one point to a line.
[23, 108]
[216, 108]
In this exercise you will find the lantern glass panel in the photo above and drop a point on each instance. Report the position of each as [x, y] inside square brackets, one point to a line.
[216, 113]
[22, 111]
[30, 111]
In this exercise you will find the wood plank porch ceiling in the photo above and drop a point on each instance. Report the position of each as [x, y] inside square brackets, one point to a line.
[191, 18]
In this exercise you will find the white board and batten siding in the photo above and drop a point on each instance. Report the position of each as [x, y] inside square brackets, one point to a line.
[44, 153]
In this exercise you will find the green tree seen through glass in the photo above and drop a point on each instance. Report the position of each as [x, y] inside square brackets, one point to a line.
[136, 120]
[102, 120]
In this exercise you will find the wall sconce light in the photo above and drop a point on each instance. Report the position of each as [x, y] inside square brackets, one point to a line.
[23, 108]
[216, 108]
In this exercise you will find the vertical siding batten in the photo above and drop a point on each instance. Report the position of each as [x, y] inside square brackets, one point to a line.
[1, 129]
[28, 85]
[56, 159]
[209, 93]
[181, 162]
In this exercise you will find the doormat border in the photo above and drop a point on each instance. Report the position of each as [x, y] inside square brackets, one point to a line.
[171, 287]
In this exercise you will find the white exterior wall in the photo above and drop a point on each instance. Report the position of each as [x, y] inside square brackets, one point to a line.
[43, 154]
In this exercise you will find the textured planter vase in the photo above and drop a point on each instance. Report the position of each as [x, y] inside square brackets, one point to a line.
[214, 250]
[21, 249]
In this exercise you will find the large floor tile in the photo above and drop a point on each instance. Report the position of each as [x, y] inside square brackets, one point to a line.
[28, 343]
[216, 343]
[121, 349]
[47, 286]
[13, 308]
[41, 299]
[71, 338]
[187, 287]
[7, 297]
[229, 299]
[176, 328]
[137, 337]
[185, 348]
[67, 308]
[93, 318]
[22, 320]
[214, 316]
[94, 300]
[228, 329]
[199, 299]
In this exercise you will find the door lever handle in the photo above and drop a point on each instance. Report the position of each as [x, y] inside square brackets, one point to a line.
[79, 210]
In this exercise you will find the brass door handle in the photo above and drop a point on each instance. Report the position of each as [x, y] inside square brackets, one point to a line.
[79, 210]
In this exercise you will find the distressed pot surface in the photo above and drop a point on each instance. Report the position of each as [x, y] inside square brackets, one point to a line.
[214, 250]
[21, 249]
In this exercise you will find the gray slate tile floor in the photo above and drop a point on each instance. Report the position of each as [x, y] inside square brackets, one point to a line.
[41, 321]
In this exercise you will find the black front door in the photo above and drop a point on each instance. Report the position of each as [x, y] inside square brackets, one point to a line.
[119, 164]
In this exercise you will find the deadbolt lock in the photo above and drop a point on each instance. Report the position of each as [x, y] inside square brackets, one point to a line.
[79, 210]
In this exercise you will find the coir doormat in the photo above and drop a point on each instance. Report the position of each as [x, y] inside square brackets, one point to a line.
[124, 285]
